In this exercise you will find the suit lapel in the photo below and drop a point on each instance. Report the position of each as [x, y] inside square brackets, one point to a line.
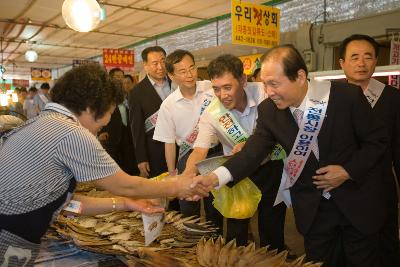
[151, 91]
[285, 120]
[324, 135]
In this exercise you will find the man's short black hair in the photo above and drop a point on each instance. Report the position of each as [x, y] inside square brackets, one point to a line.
[176, 57]
[150, 49]
[290, 58]
[114, 70]
[255, 73]
[225, 63]
[87, 86]
[357, 37]
[32, 89]
[45, 86]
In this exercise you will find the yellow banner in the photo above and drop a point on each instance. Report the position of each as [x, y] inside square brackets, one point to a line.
[250, 63]
[255, 25]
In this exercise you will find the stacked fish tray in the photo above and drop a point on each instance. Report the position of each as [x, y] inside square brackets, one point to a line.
[184, 241]
[215, 253]
[121, 233]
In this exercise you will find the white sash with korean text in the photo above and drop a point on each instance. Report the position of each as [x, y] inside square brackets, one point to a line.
[150, 122]
[227, 123]
[374, 91]
[309, 128]
[187, 144]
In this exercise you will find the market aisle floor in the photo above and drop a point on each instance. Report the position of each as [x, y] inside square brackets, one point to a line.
[293, 239]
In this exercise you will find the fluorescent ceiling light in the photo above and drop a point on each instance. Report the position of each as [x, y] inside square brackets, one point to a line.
[339, 74]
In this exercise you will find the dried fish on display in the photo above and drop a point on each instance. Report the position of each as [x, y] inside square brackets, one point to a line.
[121, 233]
[216, 253]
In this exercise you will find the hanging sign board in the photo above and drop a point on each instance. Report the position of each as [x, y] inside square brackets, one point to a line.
[255, 25]
[118, 58]
[78, 62]
[250, 63]
[40, 74]
[20, 83]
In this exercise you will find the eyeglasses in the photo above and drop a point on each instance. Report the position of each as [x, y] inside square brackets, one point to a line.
[185, 73]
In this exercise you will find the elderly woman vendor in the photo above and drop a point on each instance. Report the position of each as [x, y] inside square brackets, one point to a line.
[41, 161]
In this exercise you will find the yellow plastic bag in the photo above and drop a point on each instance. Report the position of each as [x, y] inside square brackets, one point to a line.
[238, 202]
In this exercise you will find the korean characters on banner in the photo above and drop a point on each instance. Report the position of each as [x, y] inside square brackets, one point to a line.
[20, 83]
[118, 58]
[394, 80]
[255, 25]
[78, 62]
[250, 63]
[40, 74]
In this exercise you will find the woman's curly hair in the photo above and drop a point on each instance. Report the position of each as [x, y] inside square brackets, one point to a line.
[87, 86]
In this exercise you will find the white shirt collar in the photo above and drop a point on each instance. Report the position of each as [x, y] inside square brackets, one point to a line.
[373, 83]
[250, 99]
[179, 96]
[302, 106]
[154, 82]
[60, 109]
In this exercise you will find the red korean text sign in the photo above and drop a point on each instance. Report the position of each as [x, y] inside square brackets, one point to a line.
[118, 58]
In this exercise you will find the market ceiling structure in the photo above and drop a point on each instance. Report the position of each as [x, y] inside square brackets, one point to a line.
[39, 24]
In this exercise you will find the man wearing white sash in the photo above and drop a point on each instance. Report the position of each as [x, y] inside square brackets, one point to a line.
[344, 160]
[358, 58]
[42, 98]
[178, 118]
[231, 117]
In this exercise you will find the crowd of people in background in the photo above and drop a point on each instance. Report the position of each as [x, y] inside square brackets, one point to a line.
[344, 197]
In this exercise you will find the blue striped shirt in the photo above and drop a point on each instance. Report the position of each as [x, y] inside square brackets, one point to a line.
[38, 159]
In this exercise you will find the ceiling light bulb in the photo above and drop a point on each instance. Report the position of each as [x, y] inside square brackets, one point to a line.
[81, 15]
[31, 55]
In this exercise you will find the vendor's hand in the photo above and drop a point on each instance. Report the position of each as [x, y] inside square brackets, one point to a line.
[188, 188]
[144, 168]
[209, 181]
[237, 148]
[142, 205]
[330, 177]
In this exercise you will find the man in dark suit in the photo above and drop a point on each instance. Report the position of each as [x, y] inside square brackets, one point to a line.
[358, 57]
[338, 196]
[116, 136]
[144, 103]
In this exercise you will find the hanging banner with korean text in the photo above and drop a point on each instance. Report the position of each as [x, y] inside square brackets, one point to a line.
[20, 83]
[394, 80]
[78, 62]
[250, 63]
[118, 58]
[40, 74]
[255, 25]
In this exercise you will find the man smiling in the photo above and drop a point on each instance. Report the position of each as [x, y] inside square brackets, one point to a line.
[332, 175]
[239, 99]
